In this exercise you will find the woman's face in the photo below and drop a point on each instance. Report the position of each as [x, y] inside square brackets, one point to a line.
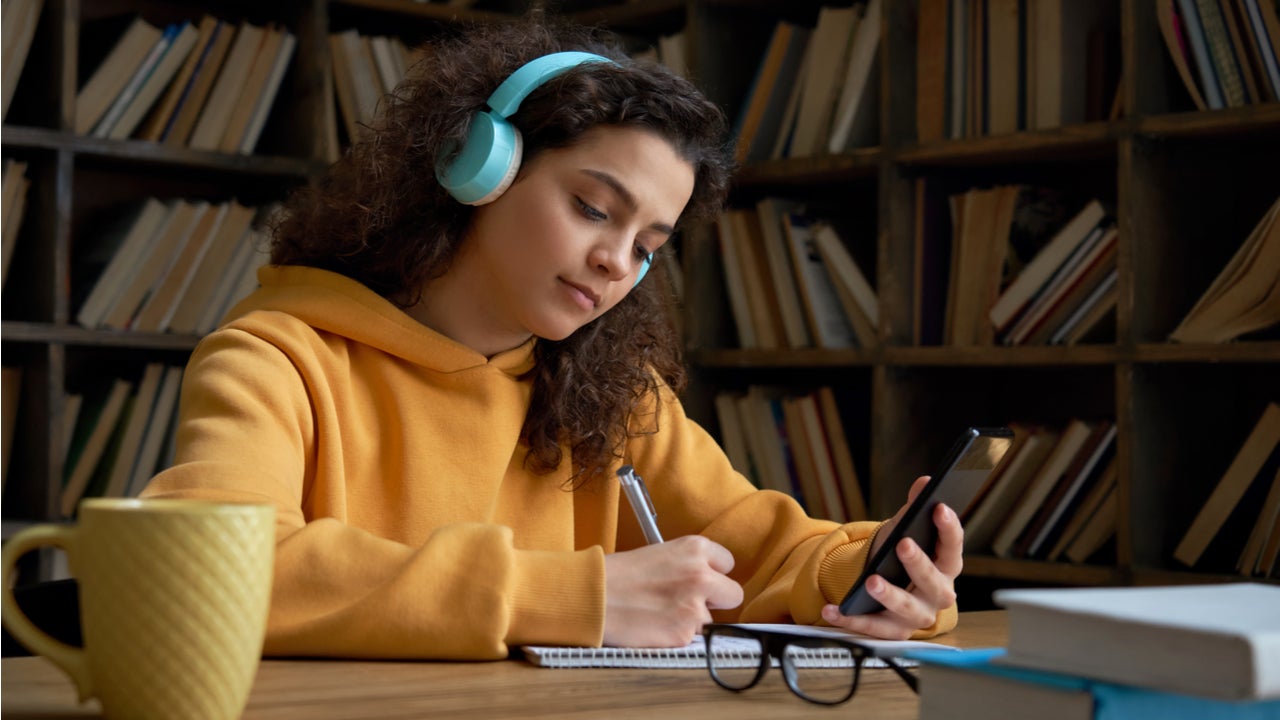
[566, 242]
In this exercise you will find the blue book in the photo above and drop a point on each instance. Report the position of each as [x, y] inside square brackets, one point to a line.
[975, 684]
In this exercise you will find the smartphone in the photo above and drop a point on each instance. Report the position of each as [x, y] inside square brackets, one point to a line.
[957, 482]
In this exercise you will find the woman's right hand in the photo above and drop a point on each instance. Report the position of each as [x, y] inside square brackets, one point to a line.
[661, 595]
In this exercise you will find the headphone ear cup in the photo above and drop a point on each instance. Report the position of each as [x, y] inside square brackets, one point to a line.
[488, 162]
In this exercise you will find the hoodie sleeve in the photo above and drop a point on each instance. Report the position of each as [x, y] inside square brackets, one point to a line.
[790, 565]
[247, 434]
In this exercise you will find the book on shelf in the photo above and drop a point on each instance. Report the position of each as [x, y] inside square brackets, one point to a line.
[1221, 53]
[1025, 286]
[97, 424]
[1074, 282]
[134, 427]
[767, 442]
[931, 70]
[217, 263]
[857, 297]
[1096, 307]
[980, 246]
[805, 461]
[160, 427]
[829, 51]
[1237, 36]
[975, 685]
[157, 118]
[255, 84]
[771, 214]
[1244, 470]
[20, 18]
[671, 52]
[1004, 102]
[160, 253]
[1038, 487]
[266, 99]
[760, 120]
[16, 185]
[1060, 45]
[1172, 32]
[1245, 295]
[1031, 446]
[1217, 641]
[1196, 38]
[161, 75]
[735, 284]
[1264, 19]
[823, 310]
[761, 277]
[856, 119]
[1085, 471]
[239, 281]
[113, 73]
[841, 455]
[215, 115]
[693, 656]
[137, 79]
[157, 307]
[1089, 517]
[190, 103]
[1253, 559]
[10, 392]
[125, 243]
[733, 436]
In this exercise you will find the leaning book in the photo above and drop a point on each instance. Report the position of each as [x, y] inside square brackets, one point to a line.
[694, 655]
[1216, 641]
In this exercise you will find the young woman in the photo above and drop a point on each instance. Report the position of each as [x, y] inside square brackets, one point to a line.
[435, 396]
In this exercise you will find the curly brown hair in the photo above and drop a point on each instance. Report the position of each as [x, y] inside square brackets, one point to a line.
[379, 215]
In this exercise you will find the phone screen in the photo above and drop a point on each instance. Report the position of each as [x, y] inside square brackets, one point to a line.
[957, 482]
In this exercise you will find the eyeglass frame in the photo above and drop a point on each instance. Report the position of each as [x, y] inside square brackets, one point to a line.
[773, 644]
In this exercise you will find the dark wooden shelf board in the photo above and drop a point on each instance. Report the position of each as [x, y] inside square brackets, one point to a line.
[1242, 352]
[1070, 142]
[141, 151]
[428, 10]
[640, 14]
[12, 331]
[1040, 355]
[1055, 573]
[809, 357]
[862, 163]
[1248, 119]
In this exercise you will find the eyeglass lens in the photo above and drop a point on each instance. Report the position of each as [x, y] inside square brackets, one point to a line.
[735, 659]
[825, 674]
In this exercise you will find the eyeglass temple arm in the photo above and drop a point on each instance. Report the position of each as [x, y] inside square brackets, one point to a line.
[902, 672]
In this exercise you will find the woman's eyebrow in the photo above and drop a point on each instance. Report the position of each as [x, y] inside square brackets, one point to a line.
[627, 197]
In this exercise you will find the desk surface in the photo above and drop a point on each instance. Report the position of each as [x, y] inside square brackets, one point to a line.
[324, 689]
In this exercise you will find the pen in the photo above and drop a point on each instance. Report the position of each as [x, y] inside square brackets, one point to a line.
[638, 496]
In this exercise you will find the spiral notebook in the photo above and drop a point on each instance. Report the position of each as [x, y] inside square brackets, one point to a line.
[694, 655]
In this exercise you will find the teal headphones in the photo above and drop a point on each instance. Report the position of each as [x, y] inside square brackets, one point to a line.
[490, 157]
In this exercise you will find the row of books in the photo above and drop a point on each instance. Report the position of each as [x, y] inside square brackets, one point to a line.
[1052, 496]
[119, 436]
[816, 89]
[18, 20]
[1209, 652]
[365, 67]
[208, 85]
[791, 280]
[1226, 52]
[795, 444]
[1245, 296]
[13, 204]
[990, 67]
[171, 266]
[1246, 497]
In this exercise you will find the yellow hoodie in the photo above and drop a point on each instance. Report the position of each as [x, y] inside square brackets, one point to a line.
[408, 526]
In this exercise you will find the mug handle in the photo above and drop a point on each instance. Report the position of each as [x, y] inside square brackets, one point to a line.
[71, 659]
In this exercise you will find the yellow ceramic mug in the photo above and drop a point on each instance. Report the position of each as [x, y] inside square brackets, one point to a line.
[173, 604]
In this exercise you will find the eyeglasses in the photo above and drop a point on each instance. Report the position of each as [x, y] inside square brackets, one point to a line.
[821, 670]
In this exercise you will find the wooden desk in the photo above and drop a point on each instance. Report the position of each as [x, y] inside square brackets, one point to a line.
[324, 689]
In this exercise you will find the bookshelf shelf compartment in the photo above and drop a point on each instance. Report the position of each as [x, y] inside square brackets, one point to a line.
[1030, 356]
[807, 358]
[1071, 142]
[857, 165]
[986, 566]
[73, 335]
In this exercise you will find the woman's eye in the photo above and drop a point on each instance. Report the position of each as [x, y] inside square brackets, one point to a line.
[642, 253]
[590, 212]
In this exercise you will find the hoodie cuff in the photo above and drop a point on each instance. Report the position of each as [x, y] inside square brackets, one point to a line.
[557, 598]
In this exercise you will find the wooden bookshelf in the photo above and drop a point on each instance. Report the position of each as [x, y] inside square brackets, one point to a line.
[1186, 186]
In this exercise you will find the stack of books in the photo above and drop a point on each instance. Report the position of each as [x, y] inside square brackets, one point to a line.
[1203, 652]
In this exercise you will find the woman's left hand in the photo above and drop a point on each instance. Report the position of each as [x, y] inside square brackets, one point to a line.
[932, 586]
